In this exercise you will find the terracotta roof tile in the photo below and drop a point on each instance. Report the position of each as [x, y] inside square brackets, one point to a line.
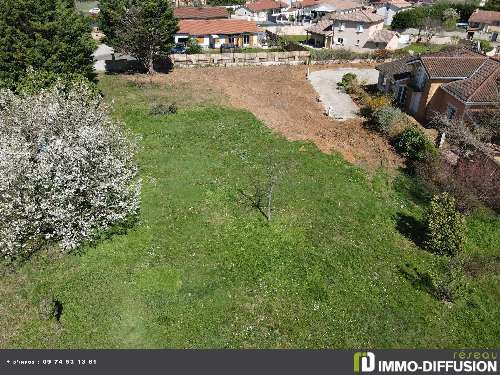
[382, 36]
[201, 13]
[481, 87]
[485, 16]
[457, 63]
[322, 27]
[364, 16]
[260, 5]
[222, 26]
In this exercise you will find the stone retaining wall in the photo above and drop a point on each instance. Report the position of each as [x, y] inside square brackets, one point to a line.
[236, 59]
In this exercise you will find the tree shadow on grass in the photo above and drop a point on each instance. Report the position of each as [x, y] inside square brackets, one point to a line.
[411, 228]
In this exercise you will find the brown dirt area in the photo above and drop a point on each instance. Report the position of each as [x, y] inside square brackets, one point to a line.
[284, 100]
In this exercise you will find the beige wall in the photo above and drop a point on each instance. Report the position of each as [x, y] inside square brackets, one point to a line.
[351, 36]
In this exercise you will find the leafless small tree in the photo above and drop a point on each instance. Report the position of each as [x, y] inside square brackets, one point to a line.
[460, 136]
[261, 195]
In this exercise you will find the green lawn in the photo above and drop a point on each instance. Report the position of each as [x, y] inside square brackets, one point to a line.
[295, 38]
[202, 269]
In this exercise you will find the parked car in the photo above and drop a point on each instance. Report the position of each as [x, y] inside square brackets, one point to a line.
[94, 12]
[179, 49]
[462, 25]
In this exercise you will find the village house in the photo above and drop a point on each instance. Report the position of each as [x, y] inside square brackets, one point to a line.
[216, 32]
[459, 84]
[485, 21]
[388, 9]
[260, 11]
[358, 31]
[314, 9]
[201, 13]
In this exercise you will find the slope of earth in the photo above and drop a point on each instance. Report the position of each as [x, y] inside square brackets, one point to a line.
[283, 98]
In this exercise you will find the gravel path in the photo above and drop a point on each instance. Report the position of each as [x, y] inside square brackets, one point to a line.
[325, 83]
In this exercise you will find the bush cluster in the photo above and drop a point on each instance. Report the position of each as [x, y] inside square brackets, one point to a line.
[414, 145]
[386, 117]
[445, 226]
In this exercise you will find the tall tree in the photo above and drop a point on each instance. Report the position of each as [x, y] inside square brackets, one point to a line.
[143, 29]
[46, 35]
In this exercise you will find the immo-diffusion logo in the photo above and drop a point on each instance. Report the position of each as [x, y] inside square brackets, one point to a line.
[457, 363]
[364, 361]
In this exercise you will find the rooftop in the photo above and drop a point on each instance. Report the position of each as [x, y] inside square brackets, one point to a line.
[337, 4]
[457, 63]
[401, 4]
[217, 26]
[382, 36]
[481, 87]
[363, 16]
[322, 27]
[201, 12]
[260, 5]
[485, 16]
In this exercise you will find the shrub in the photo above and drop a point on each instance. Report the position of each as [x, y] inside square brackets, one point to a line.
[374, 103]
[386, 117]
[486, 45]
[414, 145]
[193, 48]
[163, 109]
[445, 226]
[67, 170]
[346, 81]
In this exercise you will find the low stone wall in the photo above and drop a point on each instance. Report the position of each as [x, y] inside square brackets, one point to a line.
[238, 59]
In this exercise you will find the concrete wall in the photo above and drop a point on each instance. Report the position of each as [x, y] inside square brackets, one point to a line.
[236, 59]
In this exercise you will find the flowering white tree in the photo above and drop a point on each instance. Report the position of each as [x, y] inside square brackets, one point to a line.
[67, 169]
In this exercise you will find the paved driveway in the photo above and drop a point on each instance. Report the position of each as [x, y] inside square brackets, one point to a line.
[325, 83]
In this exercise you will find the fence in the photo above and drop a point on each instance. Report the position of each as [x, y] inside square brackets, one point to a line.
[237, 59]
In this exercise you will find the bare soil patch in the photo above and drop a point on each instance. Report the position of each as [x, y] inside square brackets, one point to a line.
[282, 97]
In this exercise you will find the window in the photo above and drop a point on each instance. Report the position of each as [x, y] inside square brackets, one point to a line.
[340, 40]
[230, 39]
[359, 29]
[450, 112]
[401, 98]
[246, 39]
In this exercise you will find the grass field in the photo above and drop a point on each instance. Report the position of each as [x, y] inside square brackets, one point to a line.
[203, 269]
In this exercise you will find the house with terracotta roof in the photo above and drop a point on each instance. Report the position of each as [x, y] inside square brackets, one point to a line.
[358, 31]
[213, 33]
[483, 20]
[201, 13]
[315, 9]
[388, 9]
[260, 10]
[457, 83]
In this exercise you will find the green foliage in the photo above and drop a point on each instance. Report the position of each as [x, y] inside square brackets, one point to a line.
[386, 117]
[414, 145]
[33, 81]
[442, 12]
[192, 47]
[486, 45]
[445, 226]
[143, 29]
[48, 36]
[347, 80]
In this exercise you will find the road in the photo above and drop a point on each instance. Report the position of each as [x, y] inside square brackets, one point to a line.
[325, 83]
